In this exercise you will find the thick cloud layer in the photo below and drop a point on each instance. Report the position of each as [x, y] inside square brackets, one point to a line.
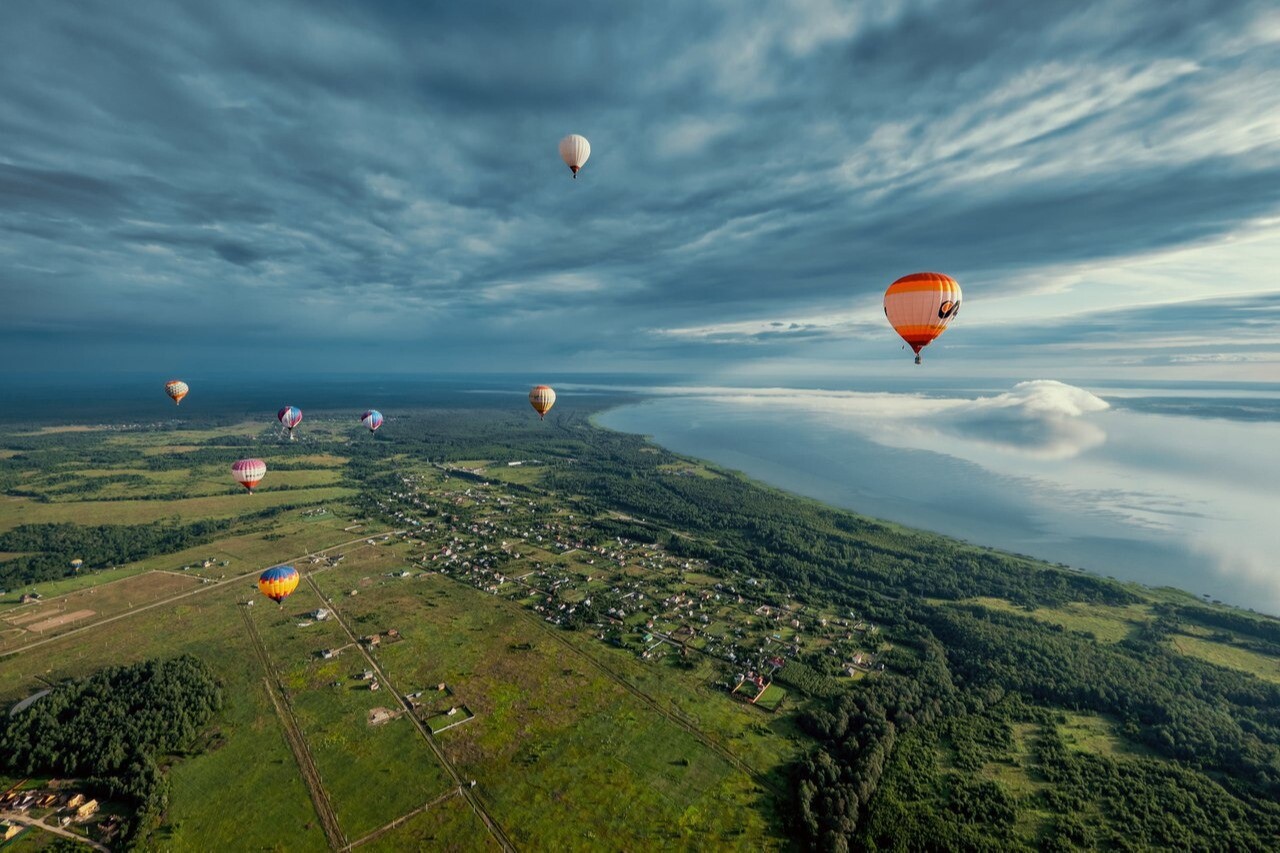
[337, 186]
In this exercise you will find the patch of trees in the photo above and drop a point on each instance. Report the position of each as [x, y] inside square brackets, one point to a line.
[111, 728]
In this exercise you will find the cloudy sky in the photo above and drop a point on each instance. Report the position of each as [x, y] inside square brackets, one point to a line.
[360, 187]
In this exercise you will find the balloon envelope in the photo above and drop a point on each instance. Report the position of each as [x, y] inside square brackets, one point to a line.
[372, 419]
[177, 389]
[290, 416]
[919, 307]
[574, 151]
[277, 582]
[542, 398]
[249, 472]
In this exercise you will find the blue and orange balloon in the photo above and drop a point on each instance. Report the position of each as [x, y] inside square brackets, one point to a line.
[372, 419]
[278, 582]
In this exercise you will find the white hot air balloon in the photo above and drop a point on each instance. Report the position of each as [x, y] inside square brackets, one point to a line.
[575, 150]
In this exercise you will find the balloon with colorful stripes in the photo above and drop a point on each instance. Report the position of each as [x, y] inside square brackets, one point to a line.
[249, 472]
[919, 307]
[372, 419]
[277, 582]
[289, 417]
[542, 398]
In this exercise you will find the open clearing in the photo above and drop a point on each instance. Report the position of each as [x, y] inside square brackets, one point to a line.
[15, 511]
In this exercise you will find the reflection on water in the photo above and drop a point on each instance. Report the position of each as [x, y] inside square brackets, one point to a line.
[1170, 500]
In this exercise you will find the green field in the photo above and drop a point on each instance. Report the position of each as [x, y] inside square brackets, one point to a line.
[589, 645]
[15, 511]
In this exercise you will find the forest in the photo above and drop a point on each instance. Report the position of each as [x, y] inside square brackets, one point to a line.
[111, 728]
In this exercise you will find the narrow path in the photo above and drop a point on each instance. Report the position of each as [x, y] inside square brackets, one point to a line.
[382, 830]
[463, 788]
[15, 817]
[160, 603]
[297, 743]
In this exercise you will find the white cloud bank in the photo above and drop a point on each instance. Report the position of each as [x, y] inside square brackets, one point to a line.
[1042, 417]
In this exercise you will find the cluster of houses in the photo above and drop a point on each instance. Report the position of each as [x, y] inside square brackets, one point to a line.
[632, 594]
[68, 806]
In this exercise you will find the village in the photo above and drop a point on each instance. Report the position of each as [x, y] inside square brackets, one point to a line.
[517, 542]
[58, 807]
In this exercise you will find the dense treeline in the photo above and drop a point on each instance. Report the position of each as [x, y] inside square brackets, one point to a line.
[111, 728]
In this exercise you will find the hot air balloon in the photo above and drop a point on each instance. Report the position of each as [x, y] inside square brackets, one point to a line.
[277, 582]
[574, 151]
[290, 417]
[372, 419]
[919, 307]
[77, 563]
[249, 472]
[542, 398]
[177, 389]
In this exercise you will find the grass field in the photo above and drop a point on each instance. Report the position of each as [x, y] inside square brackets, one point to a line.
[15, 511]
[1263, 666]
[1107, 624]
[550, 725]
[248, 763]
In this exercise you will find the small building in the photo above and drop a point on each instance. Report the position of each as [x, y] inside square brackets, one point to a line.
[371, 640]
[367, 675]
[29, 598]
[87, 809]
[319, 614]
[373, 685]
[393, 634]
[76, 801]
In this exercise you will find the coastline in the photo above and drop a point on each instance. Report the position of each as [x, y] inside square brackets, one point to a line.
[1164, 592]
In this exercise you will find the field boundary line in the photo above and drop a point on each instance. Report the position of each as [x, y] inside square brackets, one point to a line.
[297, 741]
[383, 830]
[495, 829]
[204, 587]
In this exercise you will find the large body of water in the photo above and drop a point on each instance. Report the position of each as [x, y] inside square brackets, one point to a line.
[1177, 487]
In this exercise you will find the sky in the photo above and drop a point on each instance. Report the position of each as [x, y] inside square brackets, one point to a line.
[261, 186]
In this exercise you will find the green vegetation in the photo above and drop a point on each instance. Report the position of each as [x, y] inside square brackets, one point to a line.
[590, 615]
[112, 727]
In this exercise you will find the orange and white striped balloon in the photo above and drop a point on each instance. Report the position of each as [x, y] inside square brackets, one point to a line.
[177, 389]
[574, 151]
[542, 398]
[919, 307]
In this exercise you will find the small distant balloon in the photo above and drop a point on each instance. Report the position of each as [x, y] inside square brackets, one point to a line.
[289, 417]
[249, 472]
[919, 307]
[574, 151]
[77, 563]
[542, 398]
[372, 419]
[278, 582]
[176, 389]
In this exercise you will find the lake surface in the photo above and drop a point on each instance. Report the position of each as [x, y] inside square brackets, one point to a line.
[1108, 481]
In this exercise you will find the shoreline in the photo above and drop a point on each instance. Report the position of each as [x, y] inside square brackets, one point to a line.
[1162, 591]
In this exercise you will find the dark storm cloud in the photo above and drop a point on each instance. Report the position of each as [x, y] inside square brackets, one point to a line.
[388, 171]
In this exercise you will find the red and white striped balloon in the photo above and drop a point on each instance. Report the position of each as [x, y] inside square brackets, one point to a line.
[249, 472]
